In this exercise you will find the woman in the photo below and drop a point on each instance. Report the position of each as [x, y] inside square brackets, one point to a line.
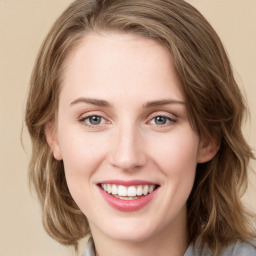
[135, 120]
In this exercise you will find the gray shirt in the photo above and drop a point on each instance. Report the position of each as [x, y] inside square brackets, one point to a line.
[237, 249]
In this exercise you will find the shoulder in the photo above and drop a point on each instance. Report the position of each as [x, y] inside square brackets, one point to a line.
[237, 249]
[241, 249]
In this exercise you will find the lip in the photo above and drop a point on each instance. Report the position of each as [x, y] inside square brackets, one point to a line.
[127, 205]
[127, 182]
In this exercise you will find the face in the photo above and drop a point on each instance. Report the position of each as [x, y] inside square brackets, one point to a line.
[124, 136]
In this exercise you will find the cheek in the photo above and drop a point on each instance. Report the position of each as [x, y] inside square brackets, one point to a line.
[176, 154]
[176, 158]
[81, 157]
[81, 154]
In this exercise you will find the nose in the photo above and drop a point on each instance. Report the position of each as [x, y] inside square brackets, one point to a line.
[127, 149]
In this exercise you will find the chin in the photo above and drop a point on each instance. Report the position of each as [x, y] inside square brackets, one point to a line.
[130, 230]
[131, 236]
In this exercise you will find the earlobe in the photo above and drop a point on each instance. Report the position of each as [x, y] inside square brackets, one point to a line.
[207, 151]
[52, 140]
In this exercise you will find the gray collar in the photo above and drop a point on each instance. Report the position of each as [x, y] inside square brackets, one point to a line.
[90, 250]
[236, 249]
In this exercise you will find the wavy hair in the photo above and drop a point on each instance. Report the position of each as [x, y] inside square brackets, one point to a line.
[214, 103]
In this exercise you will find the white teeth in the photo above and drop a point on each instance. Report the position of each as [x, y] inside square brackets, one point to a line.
[122, 190]
[151, 188]
[129, 193]
[126, 197]
[145, 190]
[139, 190]
[109, 188]
[114, 190]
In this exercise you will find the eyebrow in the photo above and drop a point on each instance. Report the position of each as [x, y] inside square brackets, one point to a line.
[162, 102]
[97, 102]
[103, 103]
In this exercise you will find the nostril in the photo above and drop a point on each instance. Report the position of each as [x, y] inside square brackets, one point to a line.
[127, 153]
[128, 163]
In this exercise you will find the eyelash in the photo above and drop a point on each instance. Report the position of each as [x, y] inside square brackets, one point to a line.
[87, 118]
[167, 119]
[83, 120]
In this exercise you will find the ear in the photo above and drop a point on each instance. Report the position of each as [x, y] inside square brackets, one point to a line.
[52, 140]
[207, 150]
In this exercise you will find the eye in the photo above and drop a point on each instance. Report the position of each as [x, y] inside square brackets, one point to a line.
[161, 120]
[93, 120]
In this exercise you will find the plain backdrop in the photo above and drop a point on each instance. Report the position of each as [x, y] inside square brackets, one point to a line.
[23, 25]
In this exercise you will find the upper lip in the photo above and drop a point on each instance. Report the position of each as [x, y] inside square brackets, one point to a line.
[128, 182]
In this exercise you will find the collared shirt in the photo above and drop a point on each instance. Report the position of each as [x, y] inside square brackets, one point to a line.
[237, 249]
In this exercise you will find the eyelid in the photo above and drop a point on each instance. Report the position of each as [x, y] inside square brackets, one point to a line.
[84, 116]
[171, 118]
[163, 114]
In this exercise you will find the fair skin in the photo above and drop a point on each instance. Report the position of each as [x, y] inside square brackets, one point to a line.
[122, 116]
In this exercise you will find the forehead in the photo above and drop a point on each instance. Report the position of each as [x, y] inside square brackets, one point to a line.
[120, 63]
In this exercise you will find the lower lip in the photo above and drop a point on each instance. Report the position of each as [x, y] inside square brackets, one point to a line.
[127, 205]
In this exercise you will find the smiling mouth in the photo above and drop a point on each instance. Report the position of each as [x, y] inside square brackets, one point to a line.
[128, 192]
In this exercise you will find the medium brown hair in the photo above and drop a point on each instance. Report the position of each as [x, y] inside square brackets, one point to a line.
[214, 103]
